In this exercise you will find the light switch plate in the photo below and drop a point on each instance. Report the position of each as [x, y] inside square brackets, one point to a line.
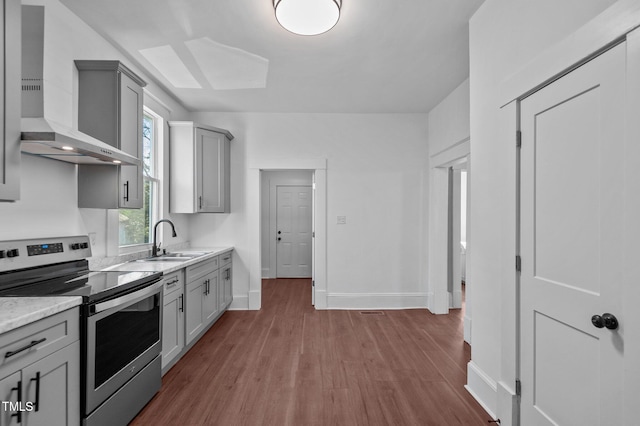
[342, 220]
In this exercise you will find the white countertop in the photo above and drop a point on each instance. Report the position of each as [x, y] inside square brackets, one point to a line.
[170, 265]
[18, 311]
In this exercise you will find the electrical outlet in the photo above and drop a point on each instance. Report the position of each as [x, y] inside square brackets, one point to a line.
[342, 220]
[92, 238]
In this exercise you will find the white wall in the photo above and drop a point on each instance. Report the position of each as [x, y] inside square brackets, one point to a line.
[504, 36]
[449, 120]
[376, 177]
[48, 205]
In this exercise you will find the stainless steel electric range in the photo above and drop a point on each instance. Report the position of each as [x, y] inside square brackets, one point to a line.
[120, 320]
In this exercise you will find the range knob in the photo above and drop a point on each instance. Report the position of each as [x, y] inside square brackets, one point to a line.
[13, 253]
[75, 246]
[3, 254]
[84, 245]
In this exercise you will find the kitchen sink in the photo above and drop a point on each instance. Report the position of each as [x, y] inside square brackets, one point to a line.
[174, 257]
[164, 259]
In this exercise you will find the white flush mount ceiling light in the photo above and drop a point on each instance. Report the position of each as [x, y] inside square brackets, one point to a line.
[307, 17]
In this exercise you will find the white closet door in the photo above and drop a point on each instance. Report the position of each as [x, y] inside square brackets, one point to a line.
[572, 234]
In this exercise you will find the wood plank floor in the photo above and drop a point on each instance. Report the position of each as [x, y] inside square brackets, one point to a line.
[289, 364]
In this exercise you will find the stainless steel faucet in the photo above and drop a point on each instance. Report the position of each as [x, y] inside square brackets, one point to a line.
[155, 247]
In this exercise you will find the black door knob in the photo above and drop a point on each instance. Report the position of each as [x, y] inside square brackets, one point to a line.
[279, 238]
[597, 321]
[610, 321]
[279, 232]
[606, 320]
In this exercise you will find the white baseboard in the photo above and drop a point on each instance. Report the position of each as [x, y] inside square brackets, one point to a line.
[239, 303]
[482, 388]
[429, 296]
[456, 301]
[321, 299]
[376, 300]
[507, 405]
[255, 300]
[439, 302]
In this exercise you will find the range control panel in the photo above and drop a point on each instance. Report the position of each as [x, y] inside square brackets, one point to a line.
[19, 254]
[38, 249]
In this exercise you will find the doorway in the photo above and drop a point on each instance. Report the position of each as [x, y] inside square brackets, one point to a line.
[286, 220]
[446, 257]
[258, 231]
[457, 225]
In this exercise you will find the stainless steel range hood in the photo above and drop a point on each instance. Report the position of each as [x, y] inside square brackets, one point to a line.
[40, 135]
[53, 140]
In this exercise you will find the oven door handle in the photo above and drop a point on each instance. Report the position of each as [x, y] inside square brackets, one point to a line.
[140, 294]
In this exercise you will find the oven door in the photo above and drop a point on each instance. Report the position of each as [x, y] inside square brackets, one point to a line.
[122, 337]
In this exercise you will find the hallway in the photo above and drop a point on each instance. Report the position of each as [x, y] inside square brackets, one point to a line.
[289, 364]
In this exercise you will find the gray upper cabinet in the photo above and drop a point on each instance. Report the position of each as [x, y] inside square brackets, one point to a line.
[110, 103]
[199, 177]
[10, 39]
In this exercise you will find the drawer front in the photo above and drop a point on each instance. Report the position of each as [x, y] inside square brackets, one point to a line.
[225, 258]
[202, 268]
[24, 345]
[173, 282]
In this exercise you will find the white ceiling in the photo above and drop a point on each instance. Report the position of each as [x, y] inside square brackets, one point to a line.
[383, 55]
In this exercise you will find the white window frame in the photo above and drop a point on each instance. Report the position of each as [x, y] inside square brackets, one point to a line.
[156, 180]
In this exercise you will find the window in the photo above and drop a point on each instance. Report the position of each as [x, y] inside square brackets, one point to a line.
[135, 224]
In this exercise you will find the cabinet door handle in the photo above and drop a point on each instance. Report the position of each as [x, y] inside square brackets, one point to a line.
[18, 413]
[181, 303]
[126, 191]
[24, 348]
[200, 202]
[37, 380]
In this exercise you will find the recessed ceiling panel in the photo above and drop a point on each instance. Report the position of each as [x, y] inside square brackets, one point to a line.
[169, 64]
[227, 67]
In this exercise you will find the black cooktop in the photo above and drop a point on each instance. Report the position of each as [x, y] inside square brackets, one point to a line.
[92, 286]
[59, 267]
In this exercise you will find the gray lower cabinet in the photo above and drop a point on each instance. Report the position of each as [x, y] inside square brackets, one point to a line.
[10, 97]
[225, 295]
[173, 318]
[194, 298]
[110, 108]
[201, 296]
[41, 384]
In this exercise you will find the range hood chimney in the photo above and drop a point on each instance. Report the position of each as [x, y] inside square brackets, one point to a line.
[40, 135]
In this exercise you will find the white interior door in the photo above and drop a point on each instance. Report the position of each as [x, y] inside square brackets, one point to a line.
[572, 233]
[293, 232]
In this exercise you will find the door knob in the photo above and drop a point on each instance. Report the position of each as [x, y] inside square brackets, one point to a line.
[606, 320]
[279, 238]
[279, 232]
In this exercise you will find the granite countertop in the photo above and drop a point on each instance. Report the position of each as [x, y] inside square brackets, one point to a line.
[169, 266]
[18, 311]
